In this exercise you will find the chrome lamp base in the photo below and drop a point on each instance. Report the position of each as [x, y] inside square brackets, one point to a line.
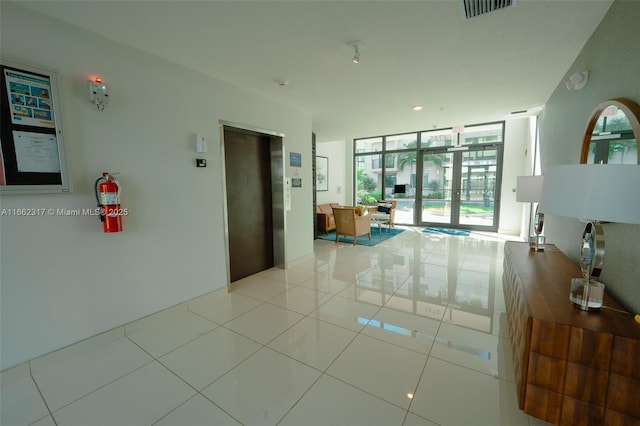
[586, 294]
[536, 242]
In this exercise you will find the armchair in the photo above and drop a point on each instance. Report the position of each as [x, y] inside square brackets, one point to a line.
[350, 224]
[383, 216]
[324, 215]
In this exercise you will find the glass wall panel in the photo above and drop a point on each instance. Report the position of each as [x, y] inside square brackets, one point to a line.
[390, 161]
[368, 179]
[436, 138]
[369, 145]
[389, 184]
[478, 187]
[486, 133]
[432, 178]
[437, 180]
[376, 162]
[406, 141]
[403, 189]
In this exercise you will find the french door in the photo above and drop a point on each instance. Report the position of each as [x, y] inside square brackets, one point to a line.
[460, 187]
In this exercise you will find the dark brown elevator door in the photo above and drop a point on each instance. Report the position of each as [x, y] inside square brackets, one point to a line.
[249, 215]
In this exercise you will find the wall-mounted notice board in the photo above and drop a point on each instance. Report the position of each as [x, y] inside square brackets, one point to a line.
[32, 152]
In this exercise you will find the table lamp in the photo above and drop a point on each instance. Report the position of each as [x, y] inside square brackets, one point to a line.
[594, 193]
[529, 189]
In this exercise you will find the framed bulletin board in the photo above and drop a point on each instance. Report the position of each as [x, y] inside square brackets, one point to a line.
[32, 152]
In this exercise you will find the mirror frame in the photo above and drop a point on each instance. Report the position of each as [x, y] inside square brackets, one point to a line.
[631, 110]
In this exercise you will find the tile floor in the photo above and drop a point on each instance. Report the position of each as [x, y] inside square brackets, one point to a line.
[410, 332]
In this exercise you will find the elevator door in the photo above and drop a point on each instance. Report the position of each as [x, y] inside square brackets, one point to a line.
[249, 202]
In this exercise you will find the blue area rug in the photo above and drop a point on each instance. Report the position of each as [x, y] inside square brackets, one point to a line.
[448, 231]
[377, 236]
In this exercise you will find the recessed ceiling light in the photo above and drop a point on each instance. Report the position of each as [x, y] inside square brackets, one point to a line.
[417, 107]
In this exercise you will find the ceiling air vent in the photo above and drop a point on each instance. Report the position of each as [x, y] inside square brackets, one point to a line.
[473, 8]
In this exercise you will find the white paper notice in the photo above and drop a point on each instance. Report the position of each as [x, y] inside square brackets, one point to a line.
[36, 152]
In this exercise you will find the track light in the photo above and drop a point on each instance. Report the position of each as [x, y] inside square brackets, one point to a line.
[357, 47]
[356, 54]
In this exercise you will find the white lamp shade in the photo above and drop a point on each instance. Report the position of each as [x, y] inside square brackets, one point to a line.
[529, 188]
[602, 192]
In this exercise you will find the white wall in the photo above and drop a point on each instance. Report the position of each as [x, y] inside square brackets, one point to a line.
[611, 57]
[62, 279]
[340, 157]
[517, 159]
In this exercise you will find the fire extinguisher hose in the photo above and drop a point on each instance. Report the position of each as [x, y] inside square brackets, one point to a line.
[95, 187]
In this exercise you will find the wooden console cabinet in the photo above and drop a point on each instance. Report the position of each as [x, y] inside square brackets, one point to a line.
[572, 367]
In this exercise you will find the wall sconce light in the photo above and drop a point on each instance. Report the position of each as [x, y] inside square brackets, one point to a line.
[594, 193]
[577, 80]
[529, 189]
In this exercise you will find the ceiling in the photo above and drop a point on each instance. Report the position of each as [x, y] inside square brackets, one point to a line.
[414, 53]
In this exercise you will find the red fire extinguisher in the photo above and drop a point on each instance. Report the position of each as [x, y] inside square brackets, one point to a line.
[108, 196]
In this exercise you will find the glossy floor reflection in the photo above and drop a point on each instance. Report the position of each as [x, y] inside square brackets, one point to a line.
[409, 332]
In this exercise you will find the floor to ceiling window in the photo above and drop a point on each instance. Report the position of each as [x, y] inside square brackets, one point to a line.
[454, 178]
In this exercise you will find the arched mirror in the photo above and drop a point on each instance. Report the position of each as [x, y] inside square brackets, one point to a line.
[612, 134]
